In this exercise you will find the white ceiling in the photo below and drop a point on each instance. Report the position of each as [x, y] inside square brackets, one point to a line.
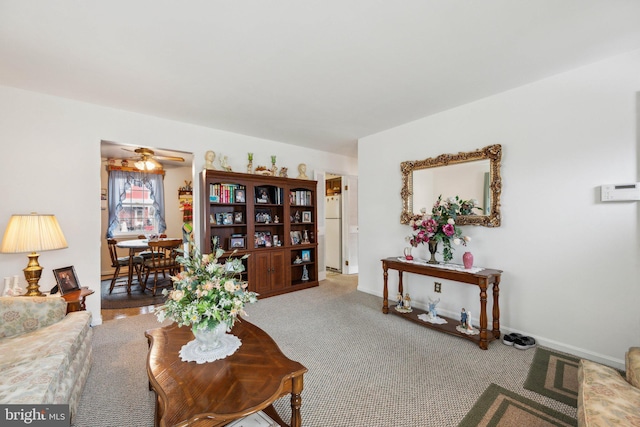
[314, 73]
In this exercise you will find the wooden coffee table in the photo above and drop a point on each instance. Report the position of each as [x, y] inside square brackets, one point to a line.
[216, 393]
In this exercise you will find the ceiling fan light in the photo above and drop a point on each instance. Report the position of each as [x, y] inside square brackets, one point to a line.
[145, 165]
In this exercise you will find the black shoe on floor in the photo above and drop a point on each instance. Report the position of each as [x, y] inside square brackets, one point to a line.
[509, 339]
[524, 343]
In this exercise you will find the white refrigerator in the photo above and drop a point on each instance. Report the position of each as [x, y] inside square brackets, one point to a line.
[333, 232]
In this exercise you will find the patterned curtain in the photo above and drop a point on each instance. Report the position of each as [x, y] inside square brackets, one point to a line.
[122, 181]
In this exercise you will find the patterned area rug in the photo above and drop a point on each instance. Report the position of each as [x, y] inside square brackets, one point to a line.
[500, 407]
[554, 375]
[120, 299]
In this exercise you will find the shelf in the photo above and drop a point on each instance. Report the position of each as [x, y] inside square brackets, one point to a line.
[449, 327]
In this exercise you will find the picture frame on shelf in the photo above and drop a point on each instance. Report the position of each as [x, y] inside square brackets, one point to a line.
[212, 219]
[263, 216]
[240, 196]
[219, 218]
[306, 255]
[238, 242]
[262, 195]
[238, 218]
[296, 237]
[66, 279]
[262, 239]
[227, 218]
[306, 216]
[276, 240]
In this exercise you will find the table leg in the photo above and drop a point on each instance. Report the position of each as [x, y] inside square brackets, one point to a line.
[296, 402]
[400, 287]
[132, 253]
[484, 344]
[496, 308]
[385, 289]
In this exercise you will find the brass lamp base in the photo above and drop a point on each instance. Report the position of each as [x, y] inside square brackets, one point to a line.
[32, 273]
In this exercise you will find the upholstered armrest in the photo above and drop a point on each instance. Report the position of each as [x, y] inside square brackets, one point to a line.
[25, 314]
[605, 398]
[633, 366]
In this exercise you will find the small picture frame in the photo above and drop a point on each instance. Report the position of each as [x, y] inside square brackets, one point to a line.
[227, 218]
[296, 237]
[238, 218]
[237, 242]
[66, 279]
[219, 218]
[262, 239]
[306, 256]
[262, 195]
[306, 216]
[240, 196]
[263, 216]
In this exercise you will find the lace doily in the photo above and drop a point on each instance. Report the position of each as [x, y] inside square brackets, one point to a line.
[191, 353]
[436, 320]
[473, 330]
[457, 267]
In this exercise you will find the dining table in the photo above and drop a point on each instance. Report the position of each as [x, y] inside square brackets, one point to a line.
[135, 246]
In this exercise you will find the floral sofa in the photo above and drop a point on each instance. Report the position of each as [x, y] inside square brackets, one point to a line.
[605, 398]
[45, 353]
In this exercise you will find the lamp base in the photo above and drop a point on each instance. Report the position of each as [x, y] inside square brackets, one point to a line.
[32, 273]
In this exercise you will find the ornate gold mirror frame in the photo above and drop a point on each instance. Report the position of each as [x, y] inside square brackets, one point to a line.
[492, 152]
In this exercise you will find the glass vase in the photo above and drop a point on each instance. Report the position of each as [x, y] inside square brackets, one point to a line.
[209, 339]
[433, 248]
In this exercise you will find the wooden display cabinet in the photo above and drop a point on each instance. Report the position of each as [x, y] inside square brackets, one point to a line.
[273, 219]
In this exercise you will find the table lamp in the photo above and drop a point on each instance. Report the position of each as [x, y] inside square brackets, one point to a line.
[29, 233]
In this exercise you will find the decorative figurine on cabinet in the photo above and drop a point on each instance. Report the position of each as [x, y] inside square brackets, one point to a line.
[302, 171]
[305, 274]
[209, 158]
[224, 164]
[250, 164]
[283, 172]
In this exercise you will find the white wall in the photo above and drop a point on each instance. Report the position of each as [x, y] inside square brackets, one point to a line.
[570, 262]
[50, 152]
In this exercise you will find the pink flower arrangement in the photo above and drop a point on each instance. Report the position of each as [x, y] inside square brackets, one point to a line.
[440, 225]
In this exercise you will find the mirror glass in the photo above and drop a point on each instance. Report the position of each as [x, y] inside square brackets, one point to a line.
[470, 175]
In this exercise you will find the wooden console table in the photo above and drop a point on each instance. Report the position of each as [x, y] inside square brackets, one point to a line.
[481, 279]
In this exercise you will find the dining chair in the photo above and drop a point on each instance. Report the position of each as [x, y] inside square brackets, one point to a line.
[162, 260]
[119, 262]
[147, 254]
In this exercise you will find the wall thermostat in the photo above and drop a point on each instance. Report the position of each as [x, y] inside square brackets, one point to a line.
[620, 192]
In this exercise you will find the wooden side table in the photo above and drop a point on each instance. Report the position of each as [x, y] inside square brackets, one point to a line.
[75, 299]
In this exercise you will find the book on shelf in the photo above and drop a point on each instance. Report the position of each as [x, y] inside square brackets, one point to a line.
[300, 197]
[226, 193]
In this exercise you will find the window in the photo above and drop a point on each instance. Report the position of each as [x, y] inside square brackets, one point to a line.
[137, 214]
[136, 203]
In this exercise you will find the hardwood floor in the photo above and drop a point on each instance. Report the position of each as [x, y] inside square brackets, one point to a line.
[122, 313]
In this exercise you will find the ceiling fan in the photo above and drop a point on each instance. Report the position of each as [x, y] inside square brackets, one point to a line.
[146, 159]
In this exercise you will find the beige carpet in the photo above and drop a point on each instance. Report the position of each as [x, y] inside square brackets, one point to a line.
[365, 368]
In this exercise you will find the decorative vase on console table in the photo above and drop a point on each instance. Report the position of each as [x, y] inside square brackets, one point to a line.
[467, 260]
[433, 248]
[209, 339]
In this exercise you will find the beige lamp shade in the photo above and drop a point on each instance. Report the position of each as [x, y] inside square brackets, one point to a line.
[33, 232]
